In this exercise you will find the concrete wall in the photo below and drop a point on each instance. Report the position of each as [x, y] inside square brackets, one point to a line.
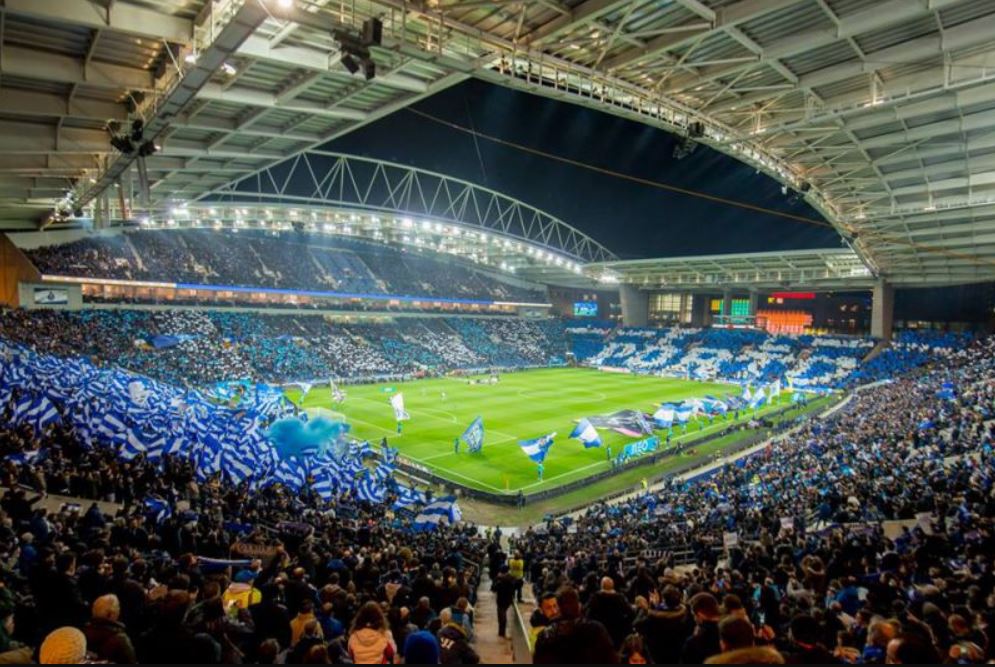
[882, 310]
[14, 269]
[635, 306]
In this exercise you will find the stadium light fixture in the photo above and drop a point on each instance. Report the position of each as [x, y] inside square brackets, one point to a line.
[229, 69]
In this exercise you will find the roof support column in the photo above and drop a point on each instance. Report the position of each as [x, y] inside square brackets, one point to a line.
[754, 302]
[882, 310]
[700, 315]
[635, 306]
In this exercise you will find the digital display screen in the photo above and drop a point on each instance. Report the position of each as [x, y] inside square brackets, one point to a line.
[585, 309]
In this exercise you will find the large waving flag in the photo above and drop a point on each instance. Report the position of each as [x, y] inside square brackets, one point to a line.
[397, 401]
[758, 399]
[683, 412]
[664, 416]
[537, 448]
[714, 405]
[586, 433]
[337, 394]
[441, 512]
[305, 388]
[473, 436]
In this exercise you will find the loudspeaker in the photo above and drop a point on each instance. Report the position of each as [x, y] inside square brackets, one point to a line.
[372, 32]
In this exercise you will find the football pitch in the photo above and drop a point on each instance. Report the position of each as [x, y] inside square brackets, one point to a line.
[521, 406]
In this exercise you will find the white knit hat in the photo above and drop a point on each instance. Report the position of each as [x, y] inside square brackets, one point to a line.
[63, 646]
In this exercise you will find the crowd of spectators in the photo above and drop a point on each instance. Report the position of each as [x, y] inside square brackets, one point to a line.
[750, 356]
[290, 260]
[204, 347]
[349, 582]
[864, 537]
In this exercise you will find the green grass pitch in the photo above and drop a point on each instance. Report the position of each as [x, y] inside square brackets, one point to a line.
[522, 405]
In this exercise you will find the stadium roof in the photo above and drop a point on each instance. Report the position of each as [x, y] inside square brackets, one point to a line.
[829, 269]
[878, 111]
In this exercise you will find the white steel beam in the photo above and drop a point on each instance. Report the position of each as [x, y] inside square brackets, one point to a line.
[116, 16]
[259, 98]
[726, 17]
[35, 64]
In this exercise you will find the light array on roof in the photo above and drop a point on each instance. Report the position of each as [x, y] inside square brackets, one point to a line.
[485, 247]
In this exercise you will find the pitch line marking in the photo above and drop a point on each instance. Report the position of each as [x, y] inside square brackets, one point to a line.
[563, 474]
[453, 472]
[596, 395]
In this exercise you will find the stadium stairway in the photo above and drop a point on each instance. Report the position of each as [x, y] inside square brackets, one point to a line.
[493, 650]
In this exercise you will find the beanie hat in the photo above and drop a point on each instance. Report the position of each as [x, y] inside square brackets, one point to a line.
[421, 648]
[63, 646]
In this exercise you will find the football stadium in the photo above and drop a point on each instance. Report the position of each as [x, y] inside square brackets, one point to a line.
[497, 331]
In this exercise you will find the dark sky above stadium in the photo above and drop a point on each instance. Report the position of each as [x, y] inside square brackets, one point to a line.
[632, 219]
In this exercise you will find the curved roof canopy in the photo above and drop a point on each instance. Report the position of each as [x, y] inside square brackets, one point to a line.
[878, 111]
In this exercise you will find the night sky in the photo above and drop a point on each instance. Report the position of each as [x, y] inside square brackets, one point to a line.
[632, 219]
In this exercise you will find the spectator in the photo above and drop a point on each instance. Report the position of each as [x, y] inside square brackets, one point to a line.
[63, 646]
[633, 651]
[504, 593]
[572, 639]
[611, 609]
[454, 642]
[421, 648]
[704, 642]
[106, 636]
[370, 641]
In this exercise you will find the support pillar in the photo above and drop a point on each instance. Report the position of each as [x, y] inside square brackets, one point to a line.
[882, 310]
[727, 302]
[754, 302]
[635, 306]
[700, 315]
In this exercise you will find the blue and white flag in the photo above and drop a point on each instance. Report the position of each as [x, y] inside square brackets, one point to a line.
[441, 512]
[388, 453]
[337, 394]
[537, 448]
[397, 402]
[157, 509]
[369, 489]
[747, 394]
[305, 390]
[714, 405]
[664, 416]
[406, 497]
[758, 399]
[586, 433]
[473, 436]
[683, 413]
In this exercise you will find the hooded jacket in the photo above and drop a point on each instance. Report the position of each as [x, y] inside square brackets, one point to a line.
[665, 632]
[371, 647]
[455, 645]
